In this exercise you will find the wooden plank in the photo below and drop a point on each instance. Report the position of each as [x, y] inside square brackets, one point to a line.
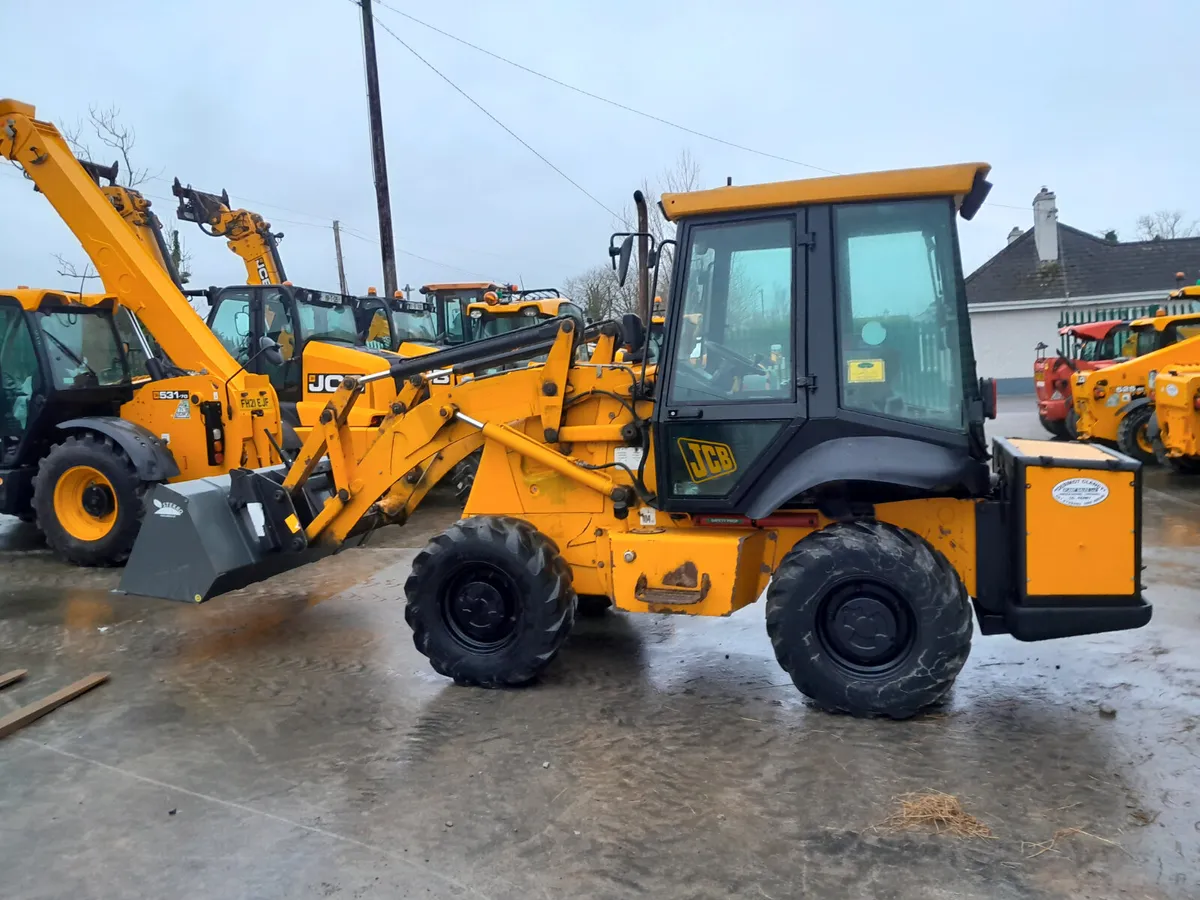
[26, 714]
[9, 677]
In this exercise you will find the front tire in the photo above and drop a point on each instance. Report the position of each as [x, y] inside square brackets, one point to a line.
[490, 602]
[869, 619]
[88, 500]
[1133, 438]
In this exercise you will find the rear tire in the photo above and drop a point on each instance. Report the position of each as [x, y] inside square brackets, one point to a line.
[869, 619]
[1179, 465]
[88, 500]
[490, 601]
[1071, 424]
[1056, 427]
[1133, 435]
[462, 476]
[592, 606]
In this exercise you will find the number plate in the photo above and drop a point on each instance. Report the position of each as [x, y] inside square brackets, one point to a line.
[255, 403]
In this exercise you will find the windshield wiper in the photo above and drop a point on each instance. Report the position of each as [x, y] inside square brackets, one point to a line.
[71, 353]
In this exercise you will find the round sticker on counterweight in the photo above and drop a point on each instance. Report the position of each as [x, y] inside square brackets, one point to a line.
[1080, 492]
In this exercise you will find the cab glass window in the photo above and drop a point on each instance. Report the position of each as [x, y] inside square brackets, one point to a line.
[900, 330]
[735, 343]
[323, 317]
[20, 378]
[83, 350]
[231, 325]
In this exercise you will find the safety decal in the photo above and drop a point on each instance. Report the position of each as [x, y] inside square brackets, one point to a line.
[865, 371]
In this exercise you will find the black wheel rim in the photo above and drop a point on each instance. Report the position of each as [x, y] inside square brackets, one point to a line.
[98, 500]
[866, 628]
[481, 607]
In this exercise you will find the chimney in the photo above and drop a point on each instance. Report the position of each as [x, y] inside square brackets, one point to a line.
[1014, 234]
[1045, 226]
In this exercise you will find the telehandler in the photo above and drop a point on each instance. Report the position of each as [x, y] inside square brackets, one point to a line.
[86, 429]
[248, 234]
[856, 492]
[1083, 348]
[1112, 404]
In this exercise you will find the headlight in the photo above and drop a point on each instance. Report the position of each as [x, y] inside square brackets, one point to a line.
[1150, 378]
[530, 311]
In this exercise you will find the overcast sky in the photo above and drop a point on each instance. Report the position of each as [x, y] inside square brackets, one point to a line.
[266, 99]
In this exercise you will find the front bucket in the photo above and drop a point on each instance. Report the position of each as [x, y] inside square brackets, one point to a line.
[194, 543]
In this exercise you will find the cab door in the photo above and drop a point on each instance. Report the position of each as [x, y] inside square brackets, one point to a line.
[734, 389]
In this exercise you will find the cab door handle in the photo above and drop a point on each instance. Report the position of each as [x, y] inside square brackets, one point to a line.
[685, 414]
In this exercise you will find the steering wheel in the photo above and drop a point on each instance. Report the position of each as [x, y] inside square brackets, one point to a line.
[730, 364]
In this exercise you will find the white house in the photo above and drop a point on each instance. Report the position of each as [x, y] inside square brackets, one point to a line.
[1019, 297]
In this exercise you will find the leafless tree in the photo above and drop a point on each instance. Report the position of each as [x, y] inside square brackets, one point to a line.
[1166, 224]
[68, 269]
[597, 291]
[106, 127]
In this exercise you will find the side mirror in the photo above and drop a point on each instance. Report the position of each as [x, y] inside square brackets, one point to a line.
[622, 259]
[633, 332]
[270, 350]
[988, 394]
[241, 323]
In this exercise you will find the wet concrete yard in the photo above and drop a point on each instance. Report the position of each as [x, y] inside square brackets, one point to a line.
[288, 741]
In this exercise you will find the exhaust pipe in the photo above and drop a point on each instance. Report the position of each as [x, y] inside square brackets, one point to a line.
[212, 535]
[643, 287]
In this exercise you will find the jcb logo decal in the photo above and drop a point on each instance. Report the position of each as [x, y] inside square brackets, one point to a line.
[264, 276]
[706, 460]
[324, 384]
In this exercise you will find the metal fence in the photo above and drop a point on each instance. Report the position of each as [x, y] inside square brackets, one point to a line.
[1107, 314]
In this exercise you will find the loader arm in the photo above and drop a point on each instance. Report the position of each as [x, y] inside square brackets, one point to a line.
[135, 210]
[248, 234]
[128, 271]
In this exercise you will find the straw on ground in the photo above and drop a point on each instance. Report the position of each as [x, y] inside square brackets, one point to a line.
[942, 813]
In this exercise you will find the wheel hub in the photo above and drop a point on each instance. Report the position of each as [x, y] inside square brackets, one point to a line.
[866, 628]
[98, 500]
[481, 610]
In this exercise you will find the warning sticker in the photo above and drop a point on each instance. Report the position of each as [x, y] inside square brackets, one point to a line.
[628, 456]
[865, 371]
[183, 410]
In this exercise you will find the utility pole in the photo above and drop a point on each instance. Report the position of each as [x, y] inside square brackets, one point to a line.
[383, 200]
[337, 248]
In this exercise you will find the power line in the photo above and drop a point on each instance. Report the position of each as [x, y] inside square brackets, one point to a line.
[610, 102]
[618, 104]
[370, 240]
[478, 106]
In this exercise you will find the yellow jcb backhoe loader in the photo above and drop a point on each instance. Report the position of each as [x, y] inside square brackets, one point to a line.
[857, 491]
[87, 430]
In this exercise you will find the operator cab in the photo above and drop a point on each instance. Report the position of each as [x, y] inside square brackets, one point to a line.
[502, 311]
[386, 324]
[291, 316]
[58, 361]
[450, 302]
[1161, 330]
[814, 337]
